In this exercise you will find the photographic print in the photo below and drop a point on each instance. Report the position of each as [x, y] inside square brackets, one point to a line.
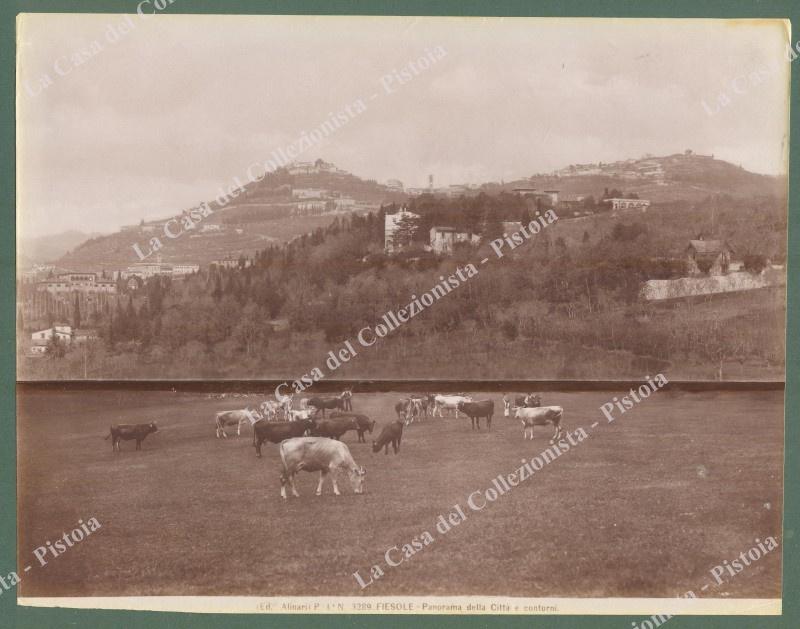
[401, 315]
[457, 198]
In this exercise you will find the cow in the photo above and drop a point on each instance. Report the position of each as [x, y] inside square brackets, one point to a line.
[425, 404]
[449, 402]
[333, 428]
[127, 432]
[318, 454]
[304, 414]
[235, 418]
[269, 408]
[321, 403]
[391, 433]
[417, 406]
[365, 424]
[476, 410]
[528, 401]
[540, 416]
[286, 404]
[402, 410]
[275, 432]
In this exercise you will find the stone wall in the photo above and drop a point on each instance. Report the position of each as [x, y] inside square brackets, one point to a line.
[690, 286]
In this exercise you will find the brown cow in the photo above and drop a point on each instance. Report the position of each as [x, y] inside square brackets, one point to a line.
[333, 428]
[275, 432]
[128, 432]
[365, 424]
[476, 410]
[391, 433]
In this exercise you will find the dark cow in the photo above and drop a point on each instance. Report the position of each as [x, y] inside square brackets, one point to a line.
[333, 428]
[391, 433]
[476, 410]
[321, 403]
[365, 424]
[128, 432]
[275, 432]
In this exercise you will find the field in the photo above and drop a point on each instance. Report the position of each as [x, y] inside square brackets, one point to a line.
[645, 506]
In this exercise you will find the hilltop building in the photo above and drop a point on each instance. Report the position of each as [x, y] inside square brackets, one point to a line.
[317, 167]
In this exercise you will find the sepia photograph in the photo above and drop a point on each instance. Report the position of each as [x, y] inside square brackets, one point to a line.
[225, 197]
[546, 502]
[401, 315]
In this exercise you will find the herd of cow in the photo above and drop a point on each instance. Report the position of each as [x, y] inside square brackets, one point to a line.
[312, 444]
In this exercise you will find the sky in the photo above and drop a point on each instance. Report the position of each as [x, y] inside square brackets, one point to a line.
[145, 123]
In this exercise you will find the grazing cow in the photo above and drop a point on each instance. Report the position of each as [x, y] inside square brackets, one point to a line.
[347, 400]
[128, 432]
[333, 428]
[365, 424]
[449, 402]
[275, 432]
[476, 410]
[531, 400]
[304, 414]
[235, 418]
[391, 433]
[321, 403]
[540, 416]
[317, 454]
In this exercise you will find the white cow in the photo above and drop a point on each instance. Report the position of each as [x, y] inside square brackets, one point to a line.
[318, 454]
[540, 416]
[235, 418]
[449, 402]
[269, 408]
[295, 415]
[286, 404]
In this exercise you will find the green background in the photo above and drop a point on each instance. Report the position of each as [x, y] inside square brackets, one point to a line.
[13, 616]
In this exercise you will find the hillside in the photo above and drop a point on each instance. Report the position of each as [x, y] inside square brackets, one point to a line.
[682, 176]
[265, 213]
[116, 251]
[566, 304]
[299, 199]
